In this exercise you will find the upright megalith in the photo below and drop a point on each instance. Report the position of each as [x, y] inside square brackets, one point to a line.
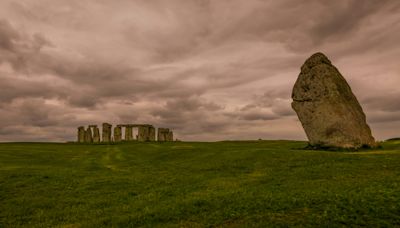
[161, 134]
[170, 136]
[128, 133]
[152, 134]
[106, 136]
[143, 133]
[88, 135]
[96, 133]
[328, 110]
[81, 134]
[164, 135]
[118, 133]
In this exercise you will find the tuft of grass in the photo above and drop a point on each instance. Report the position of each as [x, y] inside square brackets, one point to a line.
[197, 184]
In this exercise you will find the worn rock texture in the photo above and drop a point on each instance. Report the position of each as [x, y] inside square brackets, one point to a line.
[162, 134]
[106, 136]
[128, 133]
[96, 134]
[152, 134]
[170, 136]
[117, 134]
[165, 135]
[328, 110]
[88, 135]
[81, 134]
[143, 133]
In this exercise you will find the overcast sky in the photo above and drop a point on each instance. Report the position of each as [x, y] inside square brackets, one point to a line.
[208, 69]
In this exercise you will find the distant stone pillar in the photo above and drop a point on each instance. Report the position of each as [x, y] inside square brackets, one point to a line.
[129, 133]
[81, 134]
[106, 132]
[143, 133]
[162, 134]
[118, 133]
[88, 135]
[159, 135]
[96, 134]
[152, 134]
[170, 136]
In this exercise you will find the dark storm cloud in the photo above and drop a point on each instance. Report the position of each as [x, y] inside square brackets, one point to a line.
[384, 117]
[180, 112]
[7, 36]
[388, 102]
[17, 48]
[271, 105]
[13, 88]
[211, 70]
[342, 19]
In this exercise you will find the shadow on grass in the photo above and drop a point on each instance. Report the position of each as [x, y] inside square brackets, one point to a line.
[363, 148]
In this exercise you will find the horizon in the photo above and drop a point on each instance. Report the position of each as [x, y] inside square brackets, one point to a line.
[208, 70]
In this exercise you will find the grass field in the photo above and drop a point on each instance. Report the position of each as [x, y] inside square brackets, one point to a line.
[187, 184]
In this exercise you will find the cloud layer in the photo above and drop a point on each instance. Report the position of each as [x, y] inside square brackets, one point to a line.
[211, 70]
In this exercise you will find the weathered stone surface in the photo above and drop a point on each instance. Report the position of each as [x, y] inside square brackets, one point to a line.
[328, 110]
[96, 134]
[170, 136]
[117, 134]
[88, 135]
[161, 134]
[106, 136]
[128, 133]
[143, 133]
[81, 134]
[165, 135]
[152, 134]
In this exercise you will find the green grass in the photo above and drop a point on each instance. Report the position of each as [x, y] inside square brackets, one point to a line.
[188, 184]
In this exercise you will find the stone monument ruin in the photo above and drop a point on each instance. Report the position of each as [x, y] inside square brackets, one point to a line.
[106, 132]
[118, 134]
[88, 135]
[146, 133]
[81, 134]
[164, 135]
[96, 133]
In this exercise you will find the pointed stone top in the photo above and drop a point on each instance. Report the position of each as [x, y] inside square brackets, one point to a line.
[316, 59]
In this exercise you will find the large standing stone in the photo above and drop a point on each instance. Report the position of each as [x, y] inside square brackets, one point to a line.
[161, 134]
[152, 134]
[128, 133]
[88, 135]
[106, 136]
[96, 134]
[170, 136]
[164, 135]
[118, 134]
[81, 134]
[328, 110]
[143, 133]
